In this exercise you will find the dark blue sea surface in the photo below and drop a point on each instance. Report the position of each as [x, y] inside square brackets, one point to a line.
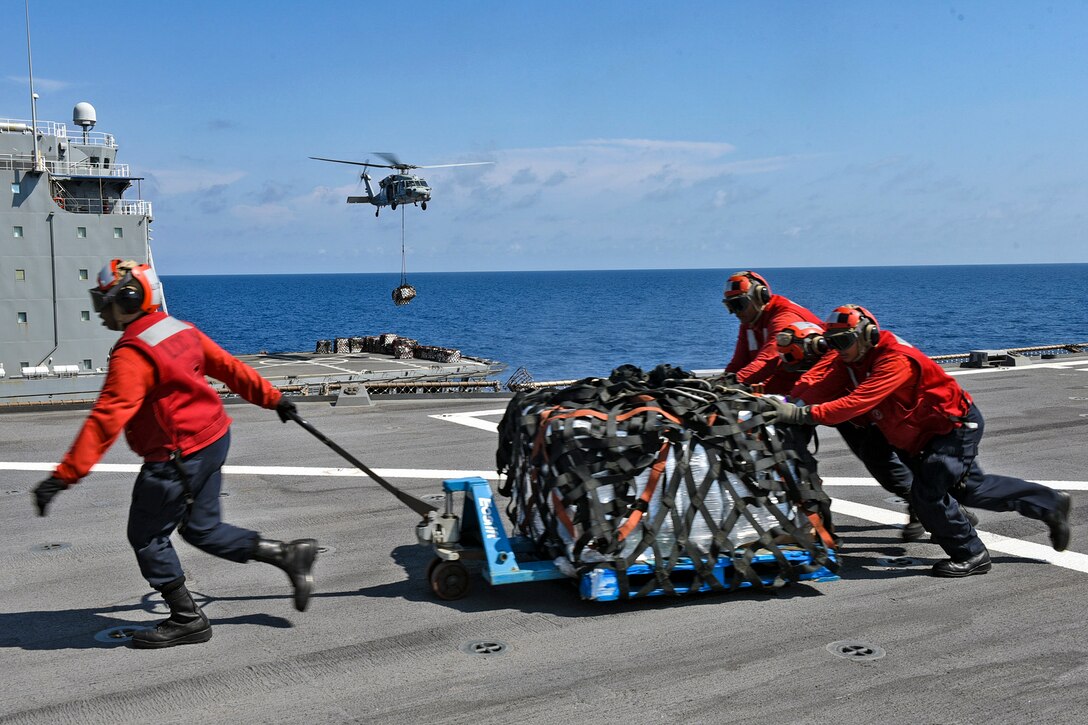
[561, 325]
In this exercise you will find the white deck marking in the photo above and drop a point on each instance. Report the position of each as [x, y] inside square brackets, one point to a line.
[472, 419]
[320, 472]
[876, 514]
[300, 471]
[994, 542]
[1063, 485]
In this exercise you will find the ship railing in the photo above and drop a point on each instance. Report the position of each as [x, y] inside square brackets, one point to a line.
[93, 138]
[84, 168]
[16, 162]
[379, 387]
[25, 162]
[45, 128]
[60, 130]
[76, 205]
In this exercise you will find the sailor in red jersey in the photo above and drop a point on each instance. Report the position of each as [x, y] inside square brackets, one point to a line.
[934, 426]
[803, 348]
[156, 392]
[762, 315]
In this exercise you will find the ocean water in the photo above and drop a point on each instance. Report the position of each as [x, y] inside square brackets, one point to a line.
[562, 325]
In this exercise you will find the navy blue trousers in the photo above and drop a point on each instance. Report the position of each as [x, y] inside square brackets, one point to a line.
[879, 457]
[158, 507]
[947, 470]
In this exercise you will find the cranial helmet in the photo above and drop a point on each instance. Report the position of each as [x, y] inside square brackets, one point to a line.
[800, 344]
[743, 288]
[133, 286]
[849, 323]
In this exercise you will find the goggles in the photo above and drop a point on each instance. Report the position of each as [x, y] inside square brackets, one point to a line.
[101, 300]
[736, 304]
[841, 339]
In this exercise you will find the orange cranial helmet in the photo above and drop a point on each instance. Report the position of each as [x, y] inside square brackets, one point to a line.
[800, 344]
[743, 288]
[849, 323]
[133, 286]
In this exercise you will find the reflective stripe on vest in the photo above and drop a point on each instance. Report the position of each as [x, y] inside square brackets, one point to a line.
[161, 330]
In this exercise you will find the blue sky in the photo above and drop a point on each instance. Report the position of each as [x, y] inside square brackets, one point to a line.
[624, 134]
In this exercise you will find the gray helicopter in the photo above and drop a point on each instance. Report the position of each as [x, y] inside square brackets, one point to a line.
[396, 189]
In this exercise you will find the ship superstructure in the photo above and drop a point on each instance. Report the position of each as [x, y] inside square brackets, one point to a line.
[62, 216]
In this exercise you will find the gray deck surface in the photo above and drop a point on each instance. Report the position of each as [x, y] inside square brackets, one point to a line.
[377, 646]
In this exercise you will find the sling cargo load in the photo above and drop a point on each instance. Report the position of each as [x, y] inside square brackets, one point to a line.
[642, 485]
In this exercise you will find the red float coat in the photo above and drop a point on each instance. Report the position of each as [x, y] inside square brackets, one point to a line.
[755, 357]
[895, 386]
[156, 392]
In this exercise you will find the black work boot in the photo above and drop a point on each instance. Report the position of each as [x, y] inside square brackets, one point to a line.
[977, 564]
[1058, 521]
[187, 623]
[295, 558]
[914, 530]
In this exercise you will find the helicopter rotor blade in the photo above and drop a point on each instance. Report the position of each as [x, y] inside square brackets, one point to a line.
[354, 163]
[394, 162]
[446, 166]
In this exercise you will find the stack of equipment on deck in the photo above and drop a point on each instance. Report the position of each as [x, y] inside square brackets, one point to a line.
[401, 348]
[660, 483]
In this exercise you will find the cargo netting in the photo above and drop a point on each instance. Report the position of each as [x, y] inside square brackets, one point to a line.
[663, 470]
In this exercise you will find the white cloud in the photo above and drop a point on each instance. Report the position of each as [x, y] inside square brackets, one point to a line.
[44, 85]
[605, 170]
[188, 181]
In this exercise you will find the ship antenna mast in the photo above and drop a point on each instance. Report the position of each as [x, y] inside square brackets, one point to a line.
[33, 96]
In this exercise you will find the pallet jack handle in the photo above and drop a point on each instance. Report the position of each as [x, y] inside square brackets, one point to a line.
[419, 506]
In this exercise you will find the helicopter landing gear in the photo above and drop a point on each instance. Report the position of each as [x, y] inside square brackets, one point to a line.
[393, 205]
[424, 205]
[377, 211]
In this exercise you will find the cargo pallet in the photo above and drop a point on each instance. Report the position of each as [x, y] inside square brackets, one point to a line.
[478, 534]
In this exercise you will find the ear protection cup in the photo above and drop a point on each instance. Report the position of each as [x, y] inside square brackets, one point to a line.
[816, 345]
[868, 330]
[761, 294]
[760, 291]
[130, 298]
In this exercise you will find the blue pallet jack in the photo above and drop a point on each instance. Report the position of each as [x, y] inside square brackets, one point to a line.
[478, 535]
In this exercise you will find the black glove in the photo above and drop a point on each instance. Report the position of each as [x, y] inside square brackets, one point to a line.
[286, 410]
[787, 413]
[45, 491]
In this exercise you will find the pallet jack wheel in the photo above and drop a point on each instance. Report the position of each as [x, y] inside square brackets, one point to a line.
[449, 579]
[431, 565]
